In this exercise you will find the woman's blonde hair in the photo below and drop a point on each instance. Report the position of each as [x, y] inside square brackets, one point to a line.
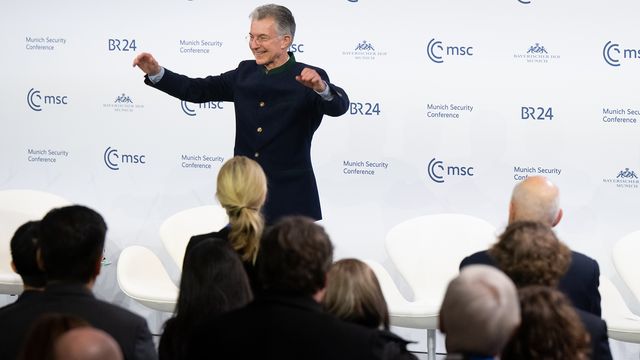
[353, 294]
[242, 190]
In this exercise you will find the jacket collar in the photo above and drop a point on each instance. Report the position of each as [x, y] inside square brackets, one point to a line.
[66, 288]
[282, 68]
[295, 300]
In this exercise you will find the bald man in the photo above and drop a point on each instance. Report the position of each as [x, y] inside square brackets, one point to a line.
[538, 199]
[87, 343]
[535, 199]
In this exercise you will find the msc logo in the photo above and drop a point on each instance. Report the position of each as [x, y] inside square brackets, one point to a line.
[436, 51]
[438, 171]
[536, 113]
[35, 100]
[296, 48]
[612, 53]
[358, 108]
[611, 59]
[627, 174]
[121, 45]
[113, 160]
[212, 105]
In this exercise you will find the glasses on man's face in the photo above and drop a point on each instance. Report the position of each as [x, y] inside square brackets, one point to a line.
[260, 39]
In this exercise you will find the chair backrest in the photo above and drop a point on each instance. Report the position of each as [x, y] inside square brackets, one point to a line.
[427, 250]
[142, 277]
[18, 206]
[622, 324]
[613, 304]
[33, 202]
[176, 230]
[625, 256]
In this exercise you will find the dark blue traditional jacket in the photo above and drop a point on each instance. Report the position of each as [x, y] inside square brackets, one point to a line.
[276, 118]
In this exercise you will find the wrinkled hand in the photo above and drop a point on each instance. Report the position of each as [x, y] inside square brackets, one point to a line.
[311, 79]
[146, 63]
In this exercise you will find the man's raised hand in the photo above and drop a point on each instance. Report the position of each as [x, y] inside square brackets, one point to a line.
[310, 78]
[146, 63]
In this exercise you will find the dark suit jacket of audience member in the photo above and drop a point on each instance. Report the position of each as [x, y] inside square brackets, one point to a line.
[223, 234]
[291, 327]
[580, 282]
[10, 342]
[597, 329]
[128, 329]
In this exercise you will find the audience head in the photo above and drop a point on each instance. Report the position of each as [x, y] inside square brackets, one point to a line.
[295, 256]
[480, 311]
[536, 199]
[40, 340]
[531, 254]
[87, 343]
[242, 190]
[24, 245]
[354, 294]
[71, 244]
[213, 282]
[551, 328]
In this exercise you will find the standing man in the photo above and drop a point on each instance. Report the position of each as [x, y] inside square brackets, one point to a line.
[279, 104]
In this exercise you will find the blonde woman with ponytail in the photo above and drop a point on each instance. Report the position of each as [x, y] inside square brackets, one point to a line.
[242, 191]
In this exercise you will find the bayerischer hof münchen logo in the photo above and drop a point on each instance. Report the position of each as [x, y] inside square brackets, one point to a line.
[626, 178]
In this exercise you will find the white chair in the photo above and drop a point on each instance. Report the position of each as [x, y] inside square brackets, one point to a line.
[142, 277]
[176, 230]
[622, 324]
[18, 206]
[626, 252]
[427, 251]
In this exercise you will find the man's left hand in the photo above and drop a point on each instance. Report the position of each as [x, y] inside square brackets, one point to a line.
[310, 78]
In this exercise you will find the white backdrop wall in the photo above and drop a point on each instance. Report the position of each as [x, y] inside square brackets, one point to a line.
[429, 81]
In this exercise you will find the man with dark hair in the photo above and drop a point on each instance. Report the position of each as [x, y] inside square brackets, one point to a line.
[24, 245]
[279, 104]
[538, 199]
[287, 320]
[299, 257]
[70, 252]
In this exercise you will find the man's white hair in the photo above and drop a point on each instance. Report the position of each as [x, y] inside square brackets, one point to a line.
[480, 311]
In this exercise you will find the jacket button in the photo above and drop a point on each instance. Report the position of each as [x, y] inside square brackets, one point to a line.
[261, 103]
[256, 154]
[259, 129]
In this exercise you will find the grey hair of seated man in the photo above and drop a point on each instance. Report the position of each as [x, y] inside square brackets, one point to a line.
[480, 311]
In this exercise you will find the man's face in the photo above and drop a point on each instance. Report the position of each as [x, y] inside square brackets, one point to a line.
[267, 46]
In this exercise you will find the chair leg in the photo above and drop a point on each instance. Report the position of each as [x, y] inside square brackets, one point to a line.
[431, 344]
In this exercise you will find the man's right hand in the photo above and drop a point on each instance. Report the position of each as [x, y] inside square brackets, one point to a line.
[147, 63]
